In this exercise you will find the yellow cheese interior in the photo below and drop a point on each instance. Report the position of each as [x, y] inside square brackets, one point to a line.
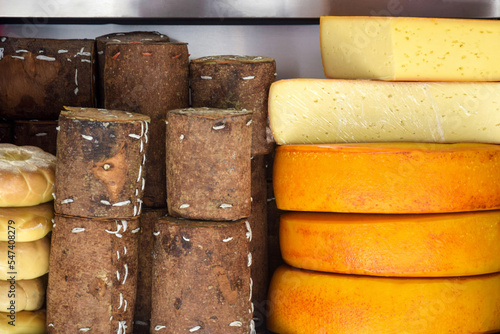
[410, 49]
[316, 111]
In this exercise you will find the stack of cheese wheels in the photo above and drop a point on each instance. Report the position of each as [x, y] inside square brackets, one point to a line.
[101, 156]
[26, 213]
[392, 187]
[202, 259]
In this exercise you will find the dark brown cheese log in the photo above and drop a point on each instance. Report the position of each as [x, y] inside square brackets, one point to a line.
[258, 241]
[42, 134]
[120, 37]
[6, 132]
[100, 163]
[201, 277]
[149, 78]
[208, 163]
[93, 275]
[240, 82]
[40, 76]
[142, 316]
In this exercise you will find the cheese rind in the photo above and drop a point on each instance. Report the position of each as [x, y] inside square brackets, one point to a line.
[410, 49]
[387, 177]
[432, 245]
[325, 111]
[311, 302]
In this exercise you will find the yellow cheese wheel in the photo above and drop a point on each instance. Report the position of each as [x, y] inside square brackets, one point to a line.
[30, 259]
[28, 223]
[22, 295]
[387, 177]
[308, 302]
[429, 245]
[26, 322]
[410, 49]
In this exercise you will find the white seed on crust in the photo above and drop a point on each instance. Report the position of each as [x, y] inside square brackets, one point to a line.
[126, 273]
[135, 210]
[67, 200]
[54, 195]
[51, 324]
[194, 329]
[58, 128]
[143, 183]
[219, 127]
[84, 329]
[142, 147]
[122, 327]
[181, 137]
[136, 230]
[85, 60]
[121, 300]
[100, 52]
[18, 57]
[41, 134]
[252, 327]
[249, 260]
[62, 51]
[159, 327]
[186, 239]
[125, 224]
[249, 122]
[76, 93]
[184, 206]
[21, 51]
[141, 323]
[251, 289]
[42, 57]
[227, 239]
[236, 324]
[133, 135]
[249, 231]
[118, 278]
[140, 173]
[105, 202]
[156, 234]
[122, 203]
[125, 306]
[225, 206]
[78, 230]
[87, 137]
[117, 255]
[124, 250]
[250, 77]
[206, 77]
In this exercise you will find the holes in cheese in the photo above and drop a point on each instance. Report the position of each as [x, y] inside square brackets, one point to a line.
[317, 111]
[311, 303]
[432, 245]
[410, 49]
[387, 177]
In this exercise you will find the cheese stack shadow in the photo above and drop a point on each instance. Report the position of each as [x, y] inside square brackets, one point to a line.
[101, 157]
[26, 214]
[392, 187]
[202, 260]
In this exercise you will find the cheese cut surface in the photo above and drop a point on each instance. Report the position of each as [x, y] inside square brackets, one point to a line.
[387, 177]
[432, 245]
[325, 111]
[410, 49]
[310, 303]
[28, 223]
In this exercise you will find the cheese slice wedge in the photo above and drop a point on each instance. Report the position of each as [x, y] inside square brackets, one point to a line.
[309, 302]
[326, 111]
[431, 245]
[30, 259]
[410, 49]
[387, 177]
[22, 224]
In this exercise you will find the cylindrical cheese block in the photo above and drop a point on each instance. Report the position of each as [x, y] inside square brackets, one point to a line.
[431, 245]
[22, 295]
[6, 132]
[101, 158]
[24, 260]
[208, 163]
[142, 315]
[201, 277]
[120, 37]
[41, 134]
[39, 76]
[26, 175]
[32, 322]
[240, 82]
[312, 302]
[257, 224]
[388, 177]
[149, 78]
[93, 275]
[23, 224]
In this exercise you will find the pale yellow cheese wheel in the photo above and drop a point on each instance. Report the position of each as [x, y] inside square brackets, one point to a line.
[27, 223]
[22, 295]
[26, 322]
[31, 259]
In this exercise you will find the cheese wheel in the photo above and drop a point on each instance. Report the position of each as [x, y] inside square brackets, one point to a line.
[319, 303]
[387, 177]
[24, 322]
[26, 223]
[26, 175]
[325, 111]
[22, 295]
[31, 259]
[433, 245]
[410, 49]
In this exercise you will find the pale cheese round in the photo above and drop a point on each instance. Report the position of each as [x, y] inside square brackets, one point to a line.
[26, 322]
[23, 295]
[31, 259]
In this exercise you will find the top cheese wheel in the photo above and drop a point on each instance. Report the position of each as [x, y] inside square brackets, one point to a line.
[410, 49]
[387, 177]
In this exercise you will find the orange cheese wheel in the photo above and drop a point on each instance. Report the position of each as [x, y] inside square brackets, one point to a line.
[309, 302]
[430, 245]
[387, 177]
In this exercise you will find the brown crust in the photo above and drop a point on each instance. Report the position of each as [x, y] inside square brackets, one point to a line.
[208, 164]
[142, 315]
[39, 76]
[240, 82]
[201, 277]
[41, 134]
[100, 163]
[151, 79]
